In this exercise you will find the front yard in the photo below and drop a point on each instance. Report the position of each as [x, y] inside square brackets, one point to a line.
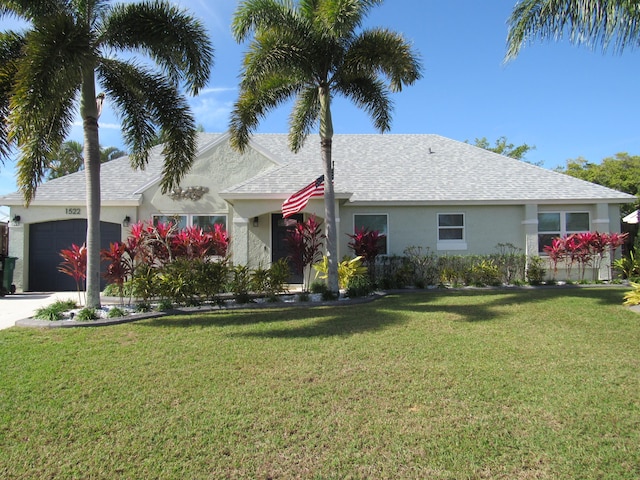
[523, 383]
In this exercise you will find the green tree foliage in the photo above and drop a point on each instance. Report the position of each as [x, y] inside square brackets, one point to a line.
[52, 68]
[503, 147]
[606, 23]
[310, 50]
[68, 158]
[620, 172]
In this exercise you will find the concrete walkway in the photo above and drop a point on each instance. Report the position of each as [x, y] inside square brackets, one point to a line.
[22, 305]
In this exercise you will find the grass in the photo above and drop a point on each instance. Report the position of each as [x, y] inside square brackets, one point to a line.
[522, 384]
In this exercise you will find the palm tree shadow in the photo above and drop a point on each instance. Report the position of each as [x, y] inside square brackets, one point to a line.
[299, 322]
[426, 302]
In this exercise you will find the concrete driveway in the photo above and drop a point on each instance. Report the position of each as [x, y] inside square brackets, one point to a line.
[22, 305]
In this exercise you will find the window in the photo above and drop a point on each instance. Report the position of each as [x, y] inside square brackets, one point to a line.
[451, 234]
[374, 222]
[205, 222]
[558, 224]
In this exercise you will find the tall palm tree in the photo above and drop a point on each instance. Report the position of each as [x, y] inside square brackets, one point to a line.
[54, 67]
[310, 50]
[589, 22]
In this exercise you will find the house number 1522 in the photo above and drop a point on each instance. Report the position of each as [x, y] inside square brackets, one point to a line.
[72, 211]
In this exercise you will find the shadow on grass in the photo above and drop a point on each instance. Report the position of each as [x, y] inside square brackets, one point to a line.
[295, 322]
[491, 302]
[306, 321]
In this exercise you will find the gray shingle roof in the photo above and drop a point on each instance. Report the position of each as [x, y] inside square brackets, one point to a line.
[396, 168]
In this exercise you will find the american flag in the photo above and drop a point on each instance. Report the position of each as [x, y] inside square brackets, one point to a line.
[299, 200]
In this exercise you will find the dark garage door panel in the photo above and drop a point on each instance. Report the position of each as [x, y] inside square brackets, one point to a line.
[45, 242]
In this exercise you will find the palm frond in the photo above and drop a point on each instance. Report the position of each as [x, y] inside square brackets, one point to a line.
[586, 22]
[147, 99]
[381, 51]
[175, 40]
[276, 54]
[253, 16]
[11, 45]
[31, 9]
[304, 117]
[124, 85]
[370, 94]
[253, 105]
[338, 18]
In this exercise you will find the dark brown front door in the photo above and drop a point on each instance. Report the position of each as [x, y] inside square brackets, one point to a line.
[280, 248]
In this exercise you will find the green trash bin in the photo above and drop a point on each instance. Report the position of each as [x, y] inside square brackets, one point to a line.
[8, 265]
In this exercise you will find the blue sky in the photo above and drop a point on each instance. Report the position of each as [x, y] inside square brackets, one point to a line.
[566, 100]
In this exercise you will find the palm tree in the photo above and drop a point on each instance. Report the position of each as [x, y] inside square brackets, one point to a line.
[310, 50]
[55, 66]
[587, 22]
[68, 159]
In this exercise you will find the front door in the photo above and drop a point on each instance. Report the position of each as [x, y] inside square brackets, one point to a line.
[280, 249]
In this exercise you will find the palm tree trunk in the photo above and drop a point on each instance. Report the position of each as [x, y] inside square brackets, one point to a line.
[326, 139]
[89, 112]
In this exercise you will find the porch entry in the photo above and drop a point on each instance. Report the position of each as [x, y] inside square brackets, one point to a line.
[279, 248]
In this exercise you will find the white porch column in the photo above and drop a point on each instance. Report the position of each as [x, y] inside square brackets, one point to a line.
[530, 223]
[601, 224]
[240, 241]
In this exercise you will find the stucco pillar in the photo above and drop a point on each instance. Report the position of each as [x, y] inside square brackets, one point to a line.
[601, 224]
[339, 234]
[240, 241]
[18, 249]
[530, 224]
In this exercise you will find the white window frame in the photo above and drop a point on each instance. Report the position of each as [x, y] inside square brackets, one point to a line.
[451, 244]
[563, 225]
[189, 217]
[386, 233]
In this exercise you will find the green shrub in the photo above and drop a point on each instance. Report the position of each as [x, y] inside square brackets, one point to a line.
[54, 311]
[86, 314]
[279, 273]
[424, 265]
[359, 286]
[240, 283]
[535, 270]
[303, 296]
[164, 305]
[318, 287]
[484, 273]
[116, 312]
[143, 307]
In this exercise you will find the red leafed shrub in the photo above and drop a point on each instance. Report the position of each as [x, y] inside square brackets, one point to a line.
[75, 264]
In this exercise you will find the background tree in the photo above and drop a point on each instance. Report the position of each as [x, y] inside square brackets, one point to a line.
[620, 172]
[308, 51]
[503, 147]
[53, 68]
[68, 158]
[586, 22]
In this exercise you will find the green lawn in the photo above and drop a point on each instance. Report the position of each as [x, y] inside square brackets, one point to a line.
[521, 384]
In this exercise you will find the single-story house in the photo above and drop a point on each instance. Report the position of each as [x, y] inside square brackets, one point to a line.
[419, 190]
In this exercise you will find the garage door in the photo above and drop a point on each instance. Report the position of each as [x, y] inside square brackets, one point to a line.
[45, 242]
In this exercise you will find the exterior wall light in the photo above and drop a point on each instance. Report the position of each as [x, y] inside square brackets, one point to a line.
[16, 220]
[126, 221]
[256, 221]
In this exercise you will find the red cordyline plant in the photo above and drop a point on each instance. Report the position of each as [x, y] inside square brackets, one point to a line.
[584, 249]
[305, 242]
[74, 264]
[367, 244]
[120, 266]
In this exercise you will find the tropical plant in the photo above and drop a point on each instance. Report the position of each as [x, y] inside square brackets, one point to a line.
[587, 22]
[54, 311]
[347, 269]
[632, 297]
[74, 264]
[305, 243]
[366, 243]
[310, 50]
[53, 66]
